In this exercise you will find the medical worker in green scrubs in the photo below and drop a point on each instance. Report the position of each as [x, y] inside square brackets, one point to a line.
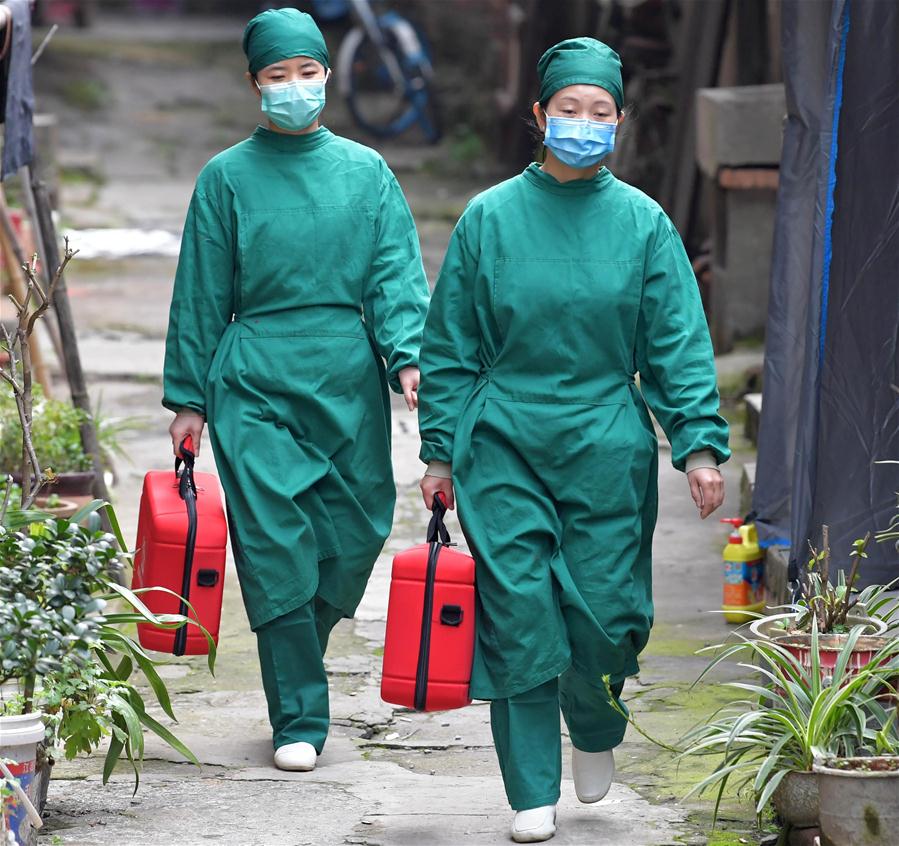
[299, 297]
[559, 286]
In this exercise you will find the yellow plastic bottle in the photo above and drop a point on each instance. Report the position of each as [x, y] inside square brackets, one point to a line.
[744, 573]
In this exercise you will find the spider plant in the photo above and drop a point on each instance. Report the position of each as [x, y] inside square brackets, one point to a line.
[891, 532]
[829, 604]
[792, 715]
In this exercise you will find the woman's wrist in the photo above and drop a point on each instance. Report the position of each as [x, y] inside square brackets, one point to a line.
[700, 460]
[440, 469]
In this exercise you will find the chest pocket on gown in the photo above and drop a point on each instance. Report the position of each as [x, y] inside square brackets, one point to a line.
[568, 324]
[315, 255]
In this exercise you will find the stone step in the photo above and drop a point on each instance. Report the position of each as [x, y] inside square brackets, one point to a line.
[753, 417]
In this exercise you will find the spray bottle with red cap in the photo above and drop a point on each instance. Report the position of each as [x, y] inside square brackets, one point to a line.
[744, 573]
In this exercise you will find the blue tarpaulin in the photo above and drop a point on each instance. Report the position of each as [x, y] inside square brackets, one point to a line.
[831, 406]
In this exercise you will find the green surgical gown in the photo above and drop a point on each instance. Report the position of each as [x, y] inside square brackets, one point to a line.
[552, 297]
[300, 278]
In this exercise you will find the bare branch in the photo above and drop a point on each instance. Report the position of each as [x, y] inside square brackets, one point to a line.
[43, 45]
[12, 365]
[39, 291]
[33, 477]
[47, 299]
[10, 380]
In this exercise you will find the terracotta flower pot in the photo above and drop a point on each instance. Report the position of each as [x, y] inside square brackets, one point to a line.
[830, 646]
[63, 508]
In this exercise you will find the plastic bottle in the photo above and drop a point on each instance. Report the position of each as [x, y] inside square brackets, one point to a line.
[744, 573]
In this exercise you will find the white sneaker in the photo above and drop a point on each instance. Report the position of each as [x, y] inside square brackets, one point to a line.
[593, 773]
[534, 825]
[296, 756]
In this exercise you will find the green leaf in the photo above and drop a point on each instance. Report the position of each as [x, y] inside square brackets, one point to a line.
[132, 599]
[125, 668]
[156, 683]
[116, 528]
[769, 788]
[132, 723]
[112, 757]
[772, 761]
[166, 735]
[89, 508]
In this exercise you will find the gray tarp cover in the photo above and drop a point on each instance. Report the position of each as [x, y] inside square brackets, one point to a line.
[830, 410]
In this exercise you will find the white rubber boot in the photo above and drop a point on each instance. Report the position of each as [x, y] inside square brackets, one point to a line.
[299, 757]
[534, 825]
[593, 773]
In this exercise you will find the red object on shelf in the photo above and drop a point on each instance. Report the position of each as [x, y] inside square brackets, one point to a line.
[429, 643]
[181, 538]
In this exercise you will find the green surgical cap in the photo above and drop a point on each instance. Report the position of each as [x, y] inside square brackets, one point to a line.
[282, 34]
[580, 61]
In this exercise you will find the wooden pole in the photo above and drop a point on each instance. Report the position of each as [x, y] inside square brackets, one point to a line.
[74, 372]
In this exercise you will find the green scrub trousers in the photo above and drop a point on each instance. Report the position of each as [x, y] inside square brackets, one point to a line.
[528, 741]
[291, 653]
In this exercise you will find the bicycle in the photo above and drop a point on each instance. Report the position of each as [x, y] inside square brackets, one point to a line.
[384, 71]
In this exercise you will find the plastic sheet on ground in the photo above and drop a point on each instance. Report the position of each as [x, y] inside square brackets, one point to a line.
[123, 243]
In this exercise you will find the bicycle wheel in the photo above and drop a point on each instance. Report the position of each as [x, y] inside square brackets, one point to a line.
[376, 102]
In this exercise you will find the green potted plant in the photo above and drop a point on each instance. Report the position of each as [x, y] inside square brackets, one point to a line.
[56, 438]
[768, 743]
[64, 644]
[859, 793]
[891, 532]
[833, 607]
[48, 618]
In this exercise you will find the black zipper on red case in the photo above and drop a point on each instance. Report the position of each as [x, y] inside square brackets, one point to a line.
[438, 537]
[424, 648]
[187, 490]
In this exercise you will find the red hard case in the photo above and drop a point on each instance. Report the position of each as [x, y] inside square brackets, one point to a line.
[159, 561]
[427, 656]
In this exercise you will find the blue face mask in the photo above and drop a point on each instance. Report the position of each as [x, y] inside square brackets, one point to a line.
[579, 142]
[293, 105]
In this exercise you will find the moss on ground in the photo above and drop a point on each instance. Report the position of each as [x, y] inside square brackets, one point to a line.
[666, 710]
[726, 838]
[671, 647]
[88, 95]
